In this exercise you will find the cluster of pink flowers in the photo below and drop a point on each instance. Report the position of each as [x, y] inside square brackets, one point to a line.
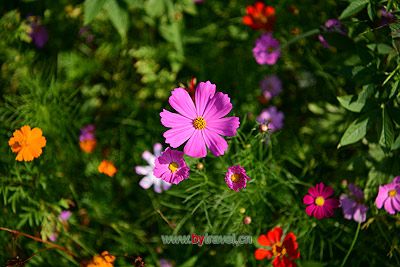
[200, 123]
[321, 203]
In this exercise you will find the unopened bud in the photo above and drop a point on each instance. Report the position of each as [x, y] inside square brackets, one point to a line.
[247, 220]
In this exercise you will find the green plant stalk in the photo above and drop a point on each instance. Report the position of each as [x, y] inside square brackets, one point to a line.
[352, 245]
[297, 38]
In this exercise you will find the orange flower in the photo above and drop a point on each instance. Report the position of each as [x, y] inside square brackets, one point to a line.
[108, 168]
[27, 143]
[88, 145]
[103, 260]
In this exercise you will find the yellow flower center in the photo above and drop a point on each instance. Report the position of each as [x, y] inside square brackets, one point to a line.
[278, 250]
[392, 193]
[199, 123]
[235, 177]
[320, 201]
[173, 166]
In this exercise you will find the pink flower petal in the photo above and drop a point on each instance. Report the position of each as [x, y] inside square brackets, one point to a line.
[319, 213]
[310, 209]
[215, 143]
[204, 93]
[181, 101]
[172, 120]
[218, 107]
[331, 203]
[146, 182]
[380, 199]
[177, 136]
[308, 200]
[327, 191]
[196, 147]
[224, 126]
[313, 191]
[389, 207]
[143, 170]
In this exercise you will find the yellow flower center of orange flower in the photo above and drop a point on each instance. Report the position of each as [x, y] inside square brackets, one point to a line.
[392, 193]
[173, 166]
[199, 123]
[319, 201]
[235, 177]
[278, 250]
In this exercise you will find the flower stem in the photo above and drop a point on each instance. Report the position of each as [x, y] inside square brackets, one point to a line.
[304, 35]
[352, 245]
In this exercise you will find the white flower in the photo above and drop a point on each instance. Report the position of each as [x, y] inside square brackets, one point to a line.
[149, 179]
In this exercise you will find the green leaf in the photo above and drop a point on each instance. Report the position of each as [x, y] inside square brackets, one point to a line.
[354, 7]
[396, 144]
[312, 264]
[356, 103]
[355, 132]
[91, 9]
[190, 262]
[118, 16]
[154, 8]
[387, 134]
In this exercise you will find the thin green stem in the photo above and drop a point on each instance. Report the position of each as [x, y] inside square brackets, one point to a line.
[304, 35]
[352, 245]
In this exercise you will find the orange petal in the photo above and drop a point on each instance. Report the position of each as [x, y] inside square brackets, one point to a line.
[261, 254]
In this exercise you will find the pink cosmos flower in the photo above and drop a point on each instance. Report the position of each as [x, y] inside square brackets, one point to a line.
[201, 123]
[149, 179]
[267, 50]
[320, 202]
[236, 178]
[353, 204]
[389, 196]
[171, 167]
[271, 86]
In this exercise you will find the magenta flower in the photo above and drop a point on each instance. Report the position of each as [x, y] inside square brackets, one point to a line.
[171, 167]
[386, 17]
[149, 179]
[320, 202]
[331, 25]
[201, 123]
[272, 117]
[236, 178]
[65, 215]
[267, 49]
[53, 237]
[271, 86]
[389, 196]
[352, 205]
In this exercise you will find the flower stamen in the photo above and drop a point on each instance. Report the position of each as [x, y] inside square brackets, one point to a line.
[235, 177]
[173, 167]
[392, 193]
[199, 123]
[319, 201]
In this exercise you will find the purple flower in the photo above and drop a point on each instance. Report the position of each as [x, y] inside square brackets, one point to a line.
[386, 17]
[87, 133]
[150, 179]
[323, 41]
[271, 86]
[352, 204]
[334, 25]
[171, 167]
[65, 215]
[272, 117]
[198, 1]
[389, 196]
[331, 25]
[165, 263]
[86, 33]
[37, 32]
[267, 50]
[236, 178]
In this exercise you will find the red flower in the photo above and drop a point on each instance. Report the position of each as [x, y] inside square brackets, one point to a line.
[283, 252]
[260, 16]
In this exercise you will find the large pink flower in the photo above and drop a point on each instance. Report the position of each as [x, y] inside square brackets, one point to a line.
[201, 123]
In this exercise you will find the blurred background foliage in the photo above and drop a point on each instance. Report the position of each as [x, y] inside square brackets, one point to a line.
[113, 63]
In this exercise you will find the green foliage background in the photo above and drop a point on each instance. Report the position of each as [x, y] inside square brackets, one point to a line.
[342, 122]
